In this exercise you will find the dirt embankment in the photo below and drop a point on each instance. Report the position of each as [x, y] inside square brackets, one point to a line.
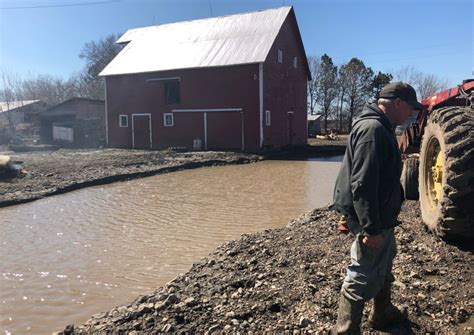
[288, 280]
[54, 172]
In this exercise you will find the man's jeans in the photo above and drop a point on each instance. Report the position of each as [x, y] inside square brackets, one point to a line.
[369, 268]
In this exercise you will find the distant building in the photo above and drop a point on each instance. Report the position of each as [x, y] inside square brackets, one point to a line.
[314, 124]
[235, 82]
[22, 117]
[75, 123]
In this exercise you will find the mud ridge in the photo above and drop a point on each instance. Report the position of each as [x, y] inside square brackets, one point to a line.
[68, 170]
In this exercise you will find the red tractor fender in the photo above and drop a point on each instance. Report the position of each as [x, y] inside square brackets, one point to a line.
[410, 140]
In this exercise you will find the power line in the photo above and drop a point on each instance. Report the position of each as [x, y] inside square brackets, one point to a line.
[63, 5]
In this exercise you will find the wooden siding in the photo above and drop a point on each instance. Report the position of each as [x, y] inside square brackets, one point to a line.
[285, 89]
[85, 116]
[200, 89]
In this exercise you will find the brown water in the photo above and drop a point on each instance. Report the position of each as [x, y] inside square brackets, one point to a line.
[67, 257]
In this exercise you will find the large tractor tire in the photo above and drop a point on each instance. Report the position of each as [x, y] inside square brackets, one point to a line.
[446, 173]
[409, 179]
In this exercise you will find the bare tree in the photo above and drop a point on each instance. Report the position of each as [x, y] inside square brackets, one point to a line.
[49, 89]
[81, 84]
[97, 55]
[406, 74]
[11, 86]
[429, 84]
[52, 89]
[424, 84]
[327, 86]
[378, 82]
[341, 95]
[313, 63]
[10, 93]
[357, 79]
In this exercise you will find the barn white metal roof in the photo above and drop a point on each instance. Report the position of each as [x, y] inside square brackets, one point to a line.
[219, 41]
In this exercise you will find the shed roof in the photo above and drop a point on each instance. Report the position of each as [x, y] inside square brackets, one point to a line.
[73, 100]
[220, 41]
[11, 105]
[314, 117]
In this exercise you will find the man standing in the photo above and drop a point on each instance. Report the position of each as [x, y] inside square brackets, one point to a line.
[369, 195]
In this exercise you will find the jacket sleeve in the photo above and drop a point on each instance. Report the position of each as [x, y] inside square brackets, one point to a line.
[365, 183]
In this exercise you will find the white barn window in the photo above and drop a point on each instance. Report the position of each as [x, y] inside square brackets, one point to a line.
[168, 119]
[280, 56]
[295, 62]
[123, 120]
[268, 120]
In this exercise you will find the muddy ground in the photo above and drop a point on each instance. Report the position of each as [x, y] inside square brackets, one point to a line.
[54, 172]
[288, 280]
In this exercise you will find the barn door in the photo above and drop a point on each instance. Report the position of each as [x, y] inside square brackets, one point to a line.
[223, 131]
[291, 132]
[141, 131]
[63, 134]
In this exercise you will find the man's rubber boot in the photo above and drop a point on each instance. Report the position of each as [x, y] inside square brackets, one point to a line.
[349, 315]
[384, 314]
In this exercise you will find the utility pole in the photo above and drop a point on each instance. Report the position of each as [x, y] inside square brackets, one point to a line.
[210, 7]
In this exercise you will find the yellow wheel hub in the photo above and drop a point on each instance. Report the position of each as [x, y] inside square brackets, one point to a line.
[435, 172]
[437, 175]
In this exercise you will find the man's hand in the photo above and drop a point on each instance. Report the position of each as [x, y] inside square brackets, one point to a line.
[374, 241]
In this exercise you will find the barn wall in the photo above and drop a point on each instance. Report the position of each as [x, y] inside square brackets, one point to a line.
[285, 88]
[207, 88]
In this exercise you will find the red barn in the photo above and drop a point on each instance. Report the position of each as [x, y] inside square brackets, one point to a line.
[235, 82]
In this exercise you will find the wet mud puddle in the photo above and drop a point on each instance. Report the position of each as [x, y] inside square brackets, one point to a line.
[67, 257]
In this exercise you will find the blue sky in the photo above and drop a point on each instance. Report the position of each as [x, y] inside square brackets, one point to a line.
[434, 36]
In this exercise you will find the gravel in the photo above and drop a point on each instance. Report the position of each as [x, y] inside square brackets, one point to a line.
[288, 280]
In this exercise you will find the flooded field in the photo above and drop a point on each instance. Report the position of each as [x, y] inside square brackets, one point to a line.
[67, 257]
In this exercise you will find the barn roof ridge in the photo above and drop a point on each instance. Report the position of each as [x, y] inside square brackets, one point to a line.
[236, 39]
[124, 39]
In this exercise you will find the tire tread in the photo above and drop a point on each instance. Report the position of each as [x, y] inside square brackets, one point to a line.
[453, 218]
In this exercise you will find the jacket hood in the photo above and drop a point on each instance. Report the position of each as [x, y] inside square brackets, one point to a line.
[371, 111]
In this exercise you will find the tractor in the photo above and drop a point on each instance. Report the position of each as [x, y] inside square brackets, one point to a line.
[438, 168]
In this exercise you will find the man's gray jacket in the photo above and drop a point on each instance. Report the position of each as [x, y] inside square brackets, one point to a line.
[368, 190]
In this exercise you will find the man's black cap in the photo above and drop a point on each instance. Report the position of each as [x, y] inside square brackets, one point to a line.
[403, 92]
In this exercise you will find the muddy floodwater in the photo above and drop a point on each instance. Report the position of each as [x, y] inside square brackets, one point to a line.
[69, 256]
